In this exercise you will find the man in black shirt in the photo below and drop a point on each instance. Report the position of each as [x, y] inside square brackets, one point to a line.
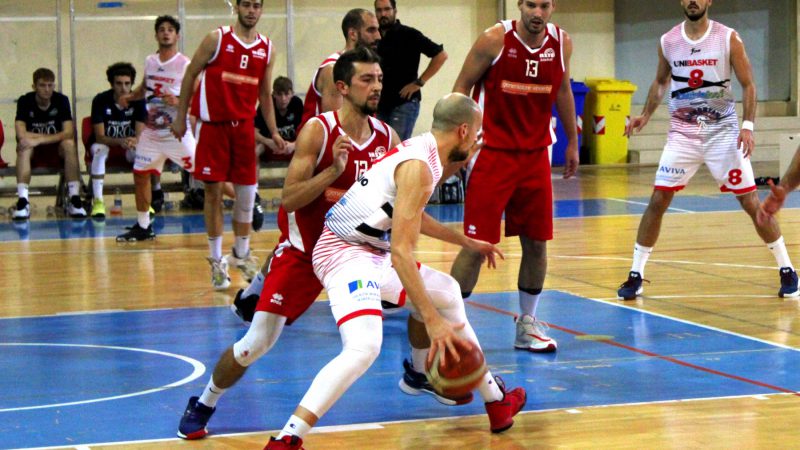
[288, 112]
[114, 127]
[45, 132]
[400, 49]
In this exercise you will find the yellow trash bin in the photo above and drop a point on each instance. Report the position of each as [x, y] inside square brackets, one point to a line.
[608, 109]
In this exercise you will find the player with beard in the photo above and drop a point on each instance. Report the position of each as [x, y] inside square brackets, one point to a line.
[695, 59]
[354, 260]
[236, 64]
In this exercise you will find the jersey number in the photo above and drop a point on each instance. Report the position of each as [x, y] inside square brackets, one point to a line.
[696, 78]
[243, 63]
[735, 177]
[158, 90]
[361, 167]
[532, 68]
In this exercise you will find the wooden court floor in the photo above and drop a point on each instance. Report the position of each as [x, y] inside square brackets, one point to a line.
[708, 268]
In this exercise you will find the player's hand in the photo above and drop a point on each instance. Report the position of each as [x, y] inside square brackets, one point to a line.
[746, 142]
[571, 161]
[29, 141]
[636, 124]
[341, 150]
[279, 142]
[444, 339]
[409, 90]
[487, 250]
[124, 100]
[130, 143]
[170, 100]
[772, 204]
[179, 129]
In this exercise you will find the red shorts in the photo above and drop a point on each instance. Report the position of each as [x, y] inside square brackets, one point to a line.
[290, 286]
[225, 152]
[47, 155]
[515, 182]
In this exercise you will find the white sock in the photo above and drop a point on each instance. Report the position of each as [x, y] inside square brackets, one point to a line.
[255, 287]
[97, 188]
[143, 218]
[418, 358]
[489, 390]
[295, 427]
[241, 246]
[73, 187]
[640, 255]
[215, 247]
[156, 187]
[211, 394]
[528, 303]
[22, 190]
[778, 249]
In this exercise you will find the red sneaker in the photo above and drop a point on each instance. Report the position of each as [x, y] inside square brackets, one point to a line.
[285, 443]
[501, 412]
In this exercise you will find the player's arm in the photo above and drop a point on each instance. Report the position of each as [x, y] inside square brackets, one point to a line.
[301, 186]
[774, 201]
[136, 94]
[744, 73]
[433, 67]
[479, 58]
[330, 97]
[267, 107]
[413, 179]
[654, 96]
[201, 57]
[435, 229]
[565, 105]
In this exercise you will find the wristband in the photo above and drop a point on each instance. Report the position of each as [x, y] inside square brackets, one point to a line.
[747, 125]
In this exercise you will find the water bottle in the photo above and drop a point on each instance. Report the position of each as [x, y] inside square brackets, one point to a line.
[116, 210]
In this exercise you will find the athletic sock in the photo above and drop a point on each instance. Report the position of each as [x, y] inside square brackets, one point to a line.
[418, 358]
[143, 218]
[211, 394]
[215, 247]
[255, 287]
[97, 188]
[295, 427]
[73, 188]
[528, 303]
[241, 246]
[778, 249]
[22, 190]
[640, 256]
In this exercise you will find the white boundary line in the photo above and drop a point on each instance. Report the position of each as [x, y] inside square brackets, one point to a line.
[198, 370]
[646, 204]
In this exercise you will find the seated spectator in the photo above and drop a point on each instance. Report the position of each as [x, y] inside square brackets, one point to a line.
[114, 127]
[288, 112]
[45, 136]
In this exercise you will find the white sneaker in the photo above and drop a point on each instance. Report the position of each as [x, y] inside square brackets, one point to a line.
[75, 208]
[22, 211]
[532, 336]
[219, 274]
[248, 265]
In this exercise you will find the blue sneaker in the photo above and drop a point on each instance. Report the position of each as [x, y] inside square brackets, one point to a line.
[631, 288]
[194, 420]
[788, 283]
[415, 383]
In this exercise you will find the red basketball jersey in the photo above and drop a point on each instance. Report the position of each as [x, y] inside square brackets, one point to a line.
[517, 92]
[230, 81]
[313, 103]
[303, 227]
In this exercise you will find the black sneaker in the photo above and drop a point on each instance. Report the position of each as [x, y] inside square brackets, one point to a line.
[194, 420]
[157, 200]
[23, 210]
[245, 307]
[632, 287]
[415, 383]
[137, 233]
[788, 283]
[258, 214]
[75, 208]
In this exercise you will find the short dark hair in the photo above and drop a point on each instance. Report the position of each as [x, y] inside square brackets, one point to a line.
[121, 69]
[282, 84]
[43, 73]
[353, 19]
[392, 2]
[168, 19]
[344, 68]
[239, 2]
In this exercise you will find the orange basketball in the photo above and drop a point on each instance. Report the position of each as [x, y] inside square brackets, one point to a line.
[457, 379]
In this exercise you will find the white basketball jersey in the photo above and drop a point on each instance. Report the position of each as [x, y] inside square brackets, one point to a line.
[700, 89]
[364, 214]
[162, 78]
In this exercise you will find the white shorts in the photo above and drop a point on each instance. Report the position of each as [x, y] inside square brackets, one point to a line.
[716, 146]
[155, 147]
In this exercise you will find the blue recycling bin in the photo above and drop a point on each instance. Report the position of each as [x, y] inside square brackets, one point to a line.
[579, 91]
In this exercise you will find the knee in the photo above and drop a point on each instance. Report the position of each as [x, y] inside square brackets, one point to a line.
[99, 150]
[365, 353]
[255, 344]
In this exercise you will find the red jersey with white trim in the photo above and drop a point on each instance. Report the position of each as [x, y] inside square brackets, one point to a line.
[303, 226]
[230, 81]
[518, 90]
[312, 105]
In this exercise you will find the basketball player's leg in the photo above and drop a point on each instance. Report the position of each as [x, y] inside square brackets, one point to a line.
[242, 174]
[677, 166]
[150, 158]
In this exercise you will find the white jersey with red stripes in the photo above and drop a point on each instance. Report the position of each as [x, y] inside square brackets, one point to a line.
[162, 78]
[361, 221]
[312, 105]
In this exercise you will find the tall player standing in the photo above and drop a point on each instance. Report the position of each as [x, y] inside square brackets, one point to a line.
[163, 73]
[236, 65]
[517, 70]
[695, 59]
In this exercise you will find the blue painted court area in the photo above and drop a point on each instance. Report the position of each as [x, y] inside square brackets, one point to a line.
[126, 376]
[193, 223]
